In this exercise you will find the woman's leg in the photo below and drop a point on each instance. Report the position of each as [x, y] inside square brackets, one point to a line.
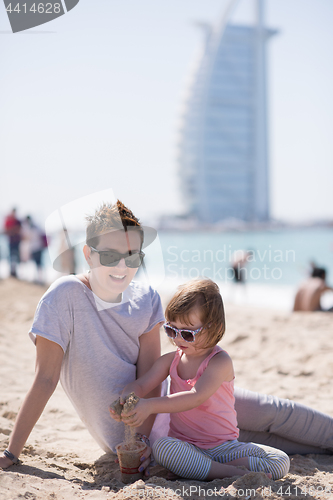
[260, 458]
[282, 423]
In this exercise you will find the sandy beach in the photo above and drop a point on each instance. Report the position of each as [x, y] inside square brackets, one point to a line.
[285, 354]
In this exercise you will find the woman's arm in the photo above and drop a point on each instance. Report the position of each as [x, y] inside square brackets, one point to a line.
[219, 370]
[152, 369]
[48, 364]
[150, 351]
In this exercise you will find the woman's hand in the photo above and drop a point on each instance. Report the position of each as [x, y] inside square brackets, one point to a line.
[146, 459]
[136, 417]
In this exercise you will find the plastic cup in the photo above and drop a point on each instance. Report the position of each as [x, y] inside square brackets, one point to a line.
[129, 455]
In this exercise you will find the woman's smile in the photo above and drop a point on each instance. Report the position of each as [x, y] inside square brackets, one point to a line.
[117, 277]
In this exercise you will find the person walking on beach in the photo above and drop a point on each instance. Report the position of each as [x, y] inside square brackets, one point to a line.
[67, 259]
[99, 331]
[202, 442]
[238, 265]
[34, 240]
[238, 270]
[309, 293]
[12, 229]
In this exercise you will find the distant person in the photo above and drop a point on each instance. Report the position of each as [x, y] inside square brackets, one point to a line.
[309, 293]
[12, 229]
[34, 240]
[238, 263]
[67, 255]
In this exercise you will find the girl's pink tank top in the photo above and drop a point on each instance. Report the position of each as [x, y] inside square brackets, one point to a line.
[214, 421]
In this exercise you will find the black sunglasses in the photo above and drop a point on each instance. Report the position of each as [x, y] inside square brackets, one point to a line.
[111, 258]
[187, 335]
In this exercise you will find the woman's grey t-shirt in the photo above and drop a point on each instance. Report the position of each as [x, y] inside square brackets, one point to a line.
[101, 345]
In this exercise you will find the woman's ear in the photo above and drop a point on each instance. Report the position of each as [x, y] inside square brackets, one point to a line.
[87, 254]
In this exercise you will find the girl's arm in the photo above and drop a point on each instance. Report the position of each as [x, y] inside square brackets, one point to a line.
[48, 364]
[219, 370]
[144, 385]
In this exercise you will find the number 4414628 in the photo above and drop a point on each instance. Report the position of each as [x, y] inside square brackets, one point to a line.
[39, 8]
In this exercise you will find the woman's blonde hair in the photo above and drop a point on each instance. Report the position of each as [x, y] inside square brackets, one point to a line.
[205, 295]
[107, 218]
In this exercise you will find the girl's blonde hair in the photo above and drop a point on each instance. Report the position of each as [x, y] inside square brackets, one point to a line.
[205, 295]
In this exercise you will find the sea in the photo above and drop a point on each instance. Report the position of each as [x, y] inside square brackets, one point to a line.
[281, 259]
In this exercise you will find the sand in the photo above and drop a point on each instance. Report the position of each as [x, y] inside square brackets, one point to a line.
[129, 442]
[130, 402]
[289, 355]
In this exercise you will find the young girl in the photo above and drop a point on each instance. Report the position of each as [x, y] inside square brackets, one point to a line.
[202, 441]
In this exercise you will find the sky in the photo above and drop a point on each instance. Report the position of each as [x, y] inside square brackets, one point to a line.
[91, 101]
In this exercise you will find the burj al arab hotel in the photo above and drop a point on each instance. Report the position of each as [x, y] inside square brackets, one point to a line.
[223, 150]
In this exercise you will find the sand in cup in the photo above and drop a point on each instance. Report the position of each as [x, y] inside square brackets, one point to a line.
[130, 451]
[129, 455]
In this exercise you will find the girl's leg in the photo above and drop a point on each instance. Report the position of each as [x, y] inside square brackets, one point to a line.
[282, 423]
[260, 458]
[191, 462]
[183, 459]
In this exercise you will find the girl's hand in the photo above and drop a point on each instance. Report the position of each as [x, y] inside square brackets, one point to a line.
[115, 414]
[123, 396]
[116, 407]
[136, 417]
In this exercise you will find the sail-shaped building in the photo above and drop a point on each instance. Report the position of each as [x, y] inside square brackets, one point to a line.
[223, 160]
